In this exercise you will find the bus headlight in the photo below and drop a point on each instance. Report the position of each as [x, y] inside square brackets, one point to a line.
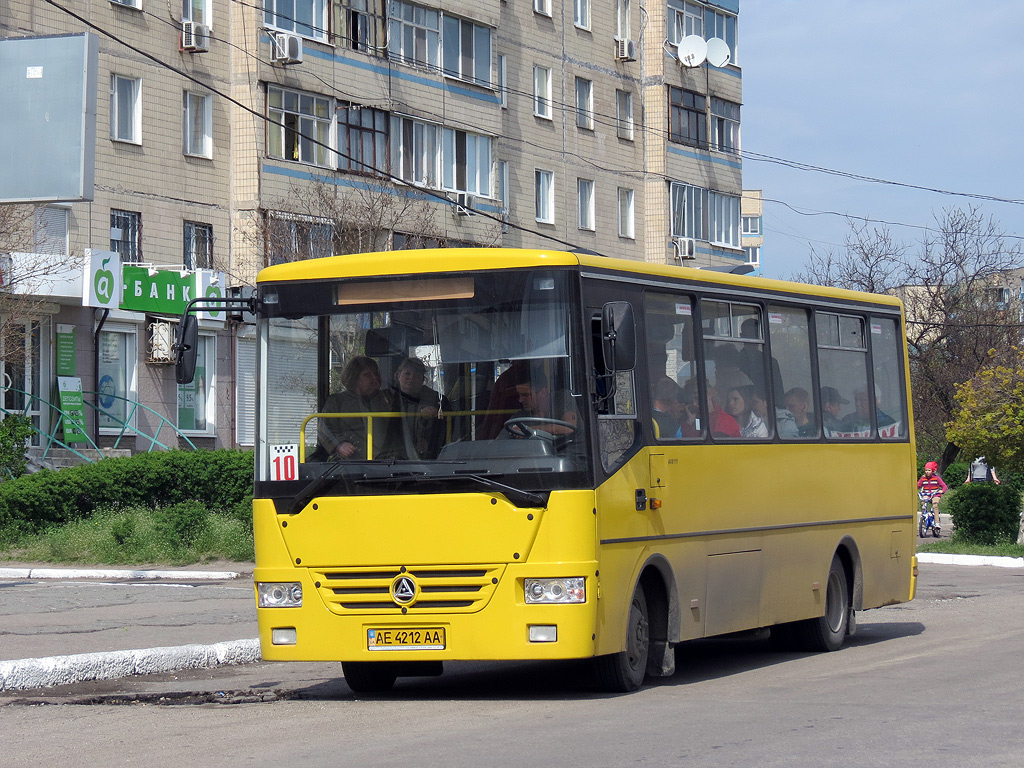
[568, 590]
[276, 594]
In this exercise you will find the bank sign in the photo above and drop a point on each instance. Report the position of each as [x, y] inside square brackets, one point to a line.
[109, 284]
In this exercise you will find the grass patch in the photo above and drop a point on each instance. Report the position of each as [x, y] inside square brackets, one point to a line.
[954, 547]
[179, 534]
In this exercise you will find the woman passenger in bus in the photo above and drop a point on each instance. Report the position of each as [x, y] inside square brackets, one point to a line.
[345, 436]
[422, 429]
[721, 423]
[739, 405]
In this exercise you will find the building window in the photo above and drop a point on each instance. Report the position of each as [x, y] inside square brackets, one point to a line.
[299, 127]
[117, 359]
[724, 219]
[362, 139]
[622, 28]
[467, 50]
[414, 33]
[362, 24]
[126, 235]
[624, 114]
[626, 213]
[725, 125]
[581, 13]
[684, 19]
[584, 104]
[198, 242]
[542, 6]
[751, 225]
[197, 124]
[542, 92]
[294, 239]
[753, 254]
[196, 400]
[196, 10]
[50, 230]
[503, 80]
[415, 152]
[125, 109]
[585, 189]
[544, 196]
[303, 17]
[127, 3]
[688, 120]
[689, 207]
[466, 162]
[721, 25]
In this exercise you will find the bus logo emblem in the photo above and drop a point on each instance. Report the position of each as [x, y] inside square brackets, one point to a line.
[403, 590]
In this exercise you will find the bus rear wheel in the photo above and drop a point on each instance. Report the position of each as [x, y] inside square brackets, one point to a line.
[625, 671]
[369, 676]
[827, 633]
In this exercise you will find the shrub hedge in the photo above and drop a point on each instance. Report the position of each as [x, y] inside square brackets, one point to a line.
[219, 480]
[986, 513]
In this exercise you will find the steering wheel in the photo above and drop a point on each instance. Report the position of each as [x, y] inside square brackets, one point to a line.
[527, 427]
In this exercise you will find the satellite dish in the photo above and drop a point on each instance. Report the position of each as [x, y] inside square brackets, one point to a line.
[718, 52]
[693, 50]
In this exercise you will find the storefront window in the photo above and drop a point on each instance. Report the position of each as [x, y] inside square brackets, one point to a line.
[117, 369]
[195, 400]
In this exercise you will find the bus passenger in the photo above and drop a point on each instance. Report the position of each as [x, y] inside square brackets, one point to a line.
[739, 405]
[721, 423]
[798, 402]
[668, 408]
[345, 436]
[831, 405]
[423, 428]
[538, 401]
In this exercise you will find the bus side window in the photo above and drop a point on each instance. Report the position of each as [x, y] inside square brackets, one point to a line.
[789, 329]
[671, 363]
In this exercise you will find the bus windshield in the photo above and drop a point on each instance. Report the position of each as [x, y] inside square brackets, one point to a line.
[447, 382]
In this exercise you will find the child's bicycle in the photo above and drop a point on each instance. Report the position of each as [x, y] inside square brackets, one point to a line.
[927, 520]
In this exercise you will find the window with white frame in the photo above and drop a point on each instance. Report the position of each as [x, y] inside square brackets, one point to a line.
[544, 196]
[466, 162]
[725, 125]
[581, 13]
[136, 4]
[117, 370]
[414, 33]
[624, 114]
[585, 193]
[542, 92]
[627, 227]
[50, 230]
[126, 109]
[299, 127]
[197, 240]
[467, 50]
[197, 11]
[722, 25]
[542, 6]
[415, 151]
[197, 124]
[753, 254]
[196, 415]
[126, 235]
[293, 238]
[751, 225]
[362, 139]
[622, 28]
[724, 219]
[503, 80]
[584, 103]
[689, 210]
[307, 18]
[684, 18]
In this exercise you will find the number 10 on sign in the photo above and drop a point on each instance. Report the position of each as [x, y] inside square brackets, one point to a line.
[284, 462]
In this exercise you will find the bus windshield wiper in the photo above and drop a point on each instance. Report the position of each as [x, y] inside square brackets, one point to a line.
[312, 490]
[517, 496]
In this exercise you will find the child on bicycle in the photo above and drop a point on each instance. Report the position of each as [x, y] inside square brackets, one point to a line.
[932, 485]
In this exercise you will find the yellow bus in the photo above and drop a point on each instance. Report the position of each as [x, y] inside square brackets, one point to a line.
[497, 454]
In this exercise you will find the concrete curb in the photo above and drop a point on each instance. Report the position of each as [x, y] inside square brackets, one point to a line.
[942, 559]
[94, 573]
[110, 665]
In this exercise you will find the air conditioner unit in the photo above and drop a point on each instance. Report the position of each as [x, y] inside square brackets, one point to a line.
[464, 205]
[195, 37]
[625, 50]
[161, 339]
[685, 248]
[286, 49]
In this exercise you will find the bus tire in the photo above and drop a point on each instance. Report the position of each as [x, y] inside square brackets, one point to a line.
[369, 676]
[625, 671]
[827, 632]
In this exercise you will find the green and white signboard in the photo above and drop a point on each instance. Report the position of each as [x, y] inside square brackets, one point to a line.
[69, 388]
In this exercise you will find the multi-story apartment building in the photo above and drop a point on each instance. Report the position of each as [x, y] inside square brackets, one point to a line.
[752, 212]
[232, 135]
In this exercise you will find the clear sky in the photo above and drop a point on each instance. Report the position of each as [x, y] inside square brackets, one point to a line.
[927, 93]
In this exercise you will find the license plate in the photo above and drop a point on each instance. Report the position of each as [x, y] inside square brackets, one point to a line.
[412, 639]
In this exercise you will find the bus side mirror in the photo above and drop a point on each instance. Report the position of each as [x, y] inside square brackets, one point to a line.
[618, 336]
[187, 348]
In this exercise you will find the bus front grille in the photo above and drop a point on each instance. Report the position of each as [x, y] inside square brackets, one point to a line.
[438, 588]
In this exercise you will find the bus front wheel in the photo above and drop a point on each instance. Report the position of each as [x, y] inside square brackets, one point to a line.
[827, 633]
[625, 671]
[369, 676]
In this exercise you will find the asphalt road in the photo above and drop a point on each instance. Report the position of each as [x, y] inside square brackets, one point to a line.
[934, 682]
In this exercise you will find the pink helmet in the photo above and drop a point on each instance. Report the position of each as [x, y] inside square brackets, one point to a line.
[933, 466]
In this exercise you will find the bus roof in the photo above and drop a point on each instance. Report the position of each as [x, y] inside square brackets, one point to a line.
[434, 260]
